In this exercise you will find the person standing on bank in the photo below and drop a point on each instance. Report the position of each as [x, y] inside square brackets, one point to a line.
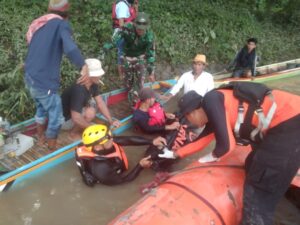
[123, 11]
[274, 138]
[138, 56]
[245, 61]
[81, 101]
[196, 79]
[48, 37]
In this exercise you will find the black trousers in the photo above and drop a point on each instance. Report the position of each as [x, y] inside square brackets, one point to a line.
[270, 168]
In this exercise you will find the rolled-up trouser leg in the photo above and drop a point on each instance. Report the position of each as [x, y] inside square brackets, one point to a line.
[134, 78]
[128, 79]
[138, 80]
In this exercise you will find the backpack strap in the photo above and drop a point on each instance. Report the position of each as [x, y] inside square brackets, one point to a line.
[253, 94]
[243, 127]
[240, 119]
[263, 122]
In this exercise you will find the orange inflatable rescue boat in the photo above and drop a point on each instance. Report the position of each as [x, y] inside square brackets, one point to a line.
[205, 194]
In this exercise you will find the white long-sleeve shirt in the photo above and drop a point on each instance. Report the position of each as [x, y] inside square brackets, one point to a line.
[203, 84]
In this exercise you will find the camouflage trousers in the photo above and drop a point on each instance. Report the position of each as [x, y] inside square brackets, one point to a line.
[134, 76]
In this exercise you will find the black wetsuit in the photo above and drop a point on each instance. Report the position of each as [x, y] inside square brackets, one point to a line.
[110, 171]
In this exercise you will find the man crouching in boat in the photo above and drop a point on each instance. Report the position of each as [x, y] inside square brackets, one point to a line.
[101, 158]
[245, 61]
[81, 101]
[272, 128]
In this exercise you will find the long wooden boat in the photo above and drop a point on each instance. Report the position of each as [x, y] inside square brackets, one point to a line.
[265, 73]
[271, 72]
[14, 167]
[209, 193]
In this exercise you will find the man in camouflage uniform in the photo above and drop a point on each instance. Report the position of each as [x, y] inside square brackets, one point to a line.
[138, 56]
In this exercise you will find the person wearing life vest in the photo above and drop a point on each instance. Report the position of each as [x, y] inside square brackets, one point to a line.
[123, 11]
[102, 159]
[273, 129]
[150, 117]
[138, 56]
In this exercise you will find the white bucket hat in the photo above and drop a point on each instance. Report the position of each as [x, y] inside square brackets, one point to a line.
[95, 67]
[59, 5]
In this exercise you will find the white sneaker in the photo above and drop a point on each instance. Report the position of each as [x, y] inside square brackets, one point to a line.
[208, 158]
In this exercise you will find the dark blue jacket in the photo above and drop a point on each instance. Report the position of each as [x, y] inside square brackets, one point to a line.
[42, 64]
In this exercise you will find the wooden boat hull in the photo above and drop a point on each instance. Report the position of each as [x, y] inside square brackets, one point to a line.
[14, 175]
[208, 193]
[268, 73]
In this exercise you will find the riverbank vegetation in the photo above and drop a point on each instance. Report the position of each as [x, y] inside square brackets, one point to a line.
[217, 28]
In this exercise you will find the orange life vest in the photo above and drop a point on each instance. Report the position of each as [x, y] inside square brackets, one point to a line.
[82, 152]
[126, 20]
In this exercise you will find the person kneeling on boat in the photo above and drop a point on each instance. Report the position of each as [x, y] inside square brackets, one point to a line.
[80, 101]
[245, 61]
[150, 117]
[274, 138]
[101, 158]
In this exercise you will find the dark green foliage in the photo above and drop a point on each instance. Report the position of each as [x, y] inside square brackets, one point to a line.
[217, 28]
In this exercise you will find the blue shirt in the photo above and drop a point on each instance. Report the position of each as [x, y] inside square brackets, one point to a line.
[42, 64]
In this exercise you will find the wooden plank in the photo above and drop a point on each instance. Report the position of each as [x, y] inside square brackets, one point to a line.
[29, 156]
[37, 154]
[7, 164]
[16, 163]
[23, 159]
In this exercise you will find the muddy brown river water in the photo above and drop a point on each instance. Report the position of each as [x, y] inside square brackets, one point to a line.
[58, 197]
